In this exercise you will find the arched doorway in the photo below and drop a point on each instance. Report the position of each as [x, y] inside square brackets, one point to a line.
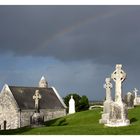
[4, 124]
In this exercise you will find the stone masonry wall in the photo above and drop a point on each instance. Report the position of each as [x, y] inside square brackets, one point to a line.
[8, 113]
[53, 113]
[48, 115]
[25, 117]
[11, 117]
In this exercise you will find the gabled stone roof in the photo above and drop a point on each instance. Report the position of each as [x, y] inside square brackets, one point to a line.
[24, 98]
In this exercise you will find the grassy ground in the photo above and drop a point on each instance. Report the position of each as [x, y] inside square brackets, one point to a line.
[82, 123]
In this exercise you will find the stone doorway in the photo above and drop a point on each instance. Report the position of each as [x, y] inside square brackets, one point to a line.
[4, 125]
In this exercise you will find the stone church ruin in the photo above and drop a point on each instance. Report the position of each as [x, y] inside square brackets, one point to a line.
[25, 106]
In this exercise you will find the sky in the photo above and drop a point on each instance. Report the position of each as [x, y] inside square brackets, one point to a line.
[74, 47]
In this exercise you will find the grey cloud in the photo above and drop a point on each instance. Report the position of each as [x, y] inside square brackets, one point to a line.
[87, 42]
[103, 34]
[112, 41]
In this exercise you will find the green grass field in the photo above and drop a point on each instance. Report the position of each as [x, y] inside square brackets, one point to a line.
[82, 123]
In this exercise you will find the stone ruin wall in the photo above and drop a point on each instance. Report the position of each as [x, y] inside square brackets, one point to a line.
[15, 118]
[25, 117]
[48, 114]
[8, 113]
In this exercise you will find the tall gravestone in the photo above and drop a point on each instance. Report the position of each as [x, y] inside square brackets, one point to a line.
[71, 105]
[137, 97]
[107, 103]
[129, 100]
[118, 113]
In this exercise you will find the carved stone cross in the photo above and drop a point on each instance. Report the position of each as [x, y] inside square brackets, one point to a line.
[136, 92]
[118, 76]
[37, 97]
[108, 87]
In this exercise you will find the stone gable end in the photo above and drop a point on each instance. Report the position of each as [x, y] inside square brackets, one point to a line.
[9, 116]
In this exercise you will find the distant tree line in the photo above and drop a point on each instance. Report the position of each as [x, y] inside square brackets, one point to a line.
[81, 102]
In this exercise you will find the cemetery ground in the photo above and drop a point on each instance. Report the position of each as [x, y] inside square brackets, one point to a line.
[82, 123]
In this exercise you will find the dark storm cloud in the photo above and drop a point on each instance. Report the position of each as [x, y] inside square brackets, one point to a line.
[110, 40]
[103, 34]
[75, 47]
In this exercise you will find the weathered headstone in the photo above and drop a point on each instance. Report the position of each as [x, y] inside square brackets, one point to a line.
[71, 105]
[107, 102]
[129, 100]
[118, 113]
[135, 92]
[137, 97]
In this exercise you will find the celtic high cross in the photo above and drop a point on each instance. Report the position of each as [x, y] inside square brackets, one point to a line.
[118, 76]
[37, 97]
[108, 87]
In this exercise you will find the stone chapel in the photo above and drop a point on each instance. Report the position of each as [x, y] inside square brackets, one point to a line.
[17, 104]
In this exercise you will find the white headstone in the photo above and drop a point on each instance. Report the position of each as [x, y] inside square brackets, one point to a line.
[129, 94]
[43, 83]
[71, 105]
[137, 97]
[129, 100]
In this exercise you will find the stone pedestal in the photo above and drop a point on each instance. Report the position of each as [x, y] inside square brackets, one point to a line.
[118, 115]
[106, 112]
[37, 120]
[105, 118]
